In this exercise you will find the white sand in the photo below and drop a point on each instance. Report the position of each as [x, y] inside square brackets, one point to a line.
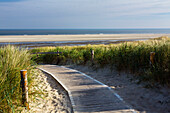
[38, 38]
[52, 98]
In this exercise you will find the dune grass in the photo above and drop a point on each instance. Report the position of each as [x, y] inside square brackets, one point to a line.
[12, 61]
[131, 56]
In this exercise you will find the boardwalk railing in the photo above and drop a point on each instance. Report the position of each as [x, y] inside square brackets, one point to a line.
[152, 55]
[48, 53]
[58, 53]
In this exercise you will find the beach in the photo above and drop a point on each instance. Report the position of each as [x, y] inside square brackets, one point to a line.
[87, 56]
[33, 41]
[88, 37]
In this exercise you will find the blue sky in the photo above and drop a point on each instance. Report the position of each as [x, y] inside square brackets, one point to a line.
[61, 14]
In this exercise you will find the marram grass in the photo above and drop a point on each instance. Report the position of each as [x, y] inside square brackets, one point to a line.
[12, 60]
[131, 56]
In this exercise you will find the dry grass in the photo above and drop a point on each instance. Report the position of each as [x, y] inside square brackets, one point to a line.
[132, 56]
[12, 61]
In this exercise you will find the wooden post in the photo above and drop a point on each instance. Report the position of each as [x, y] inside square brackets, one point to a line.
[152, 55]
[24, 88]
[92, 55]
[57, 53]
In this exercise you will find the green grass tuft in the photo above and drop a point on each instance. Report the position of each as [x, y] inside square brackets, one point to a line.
[12, 61]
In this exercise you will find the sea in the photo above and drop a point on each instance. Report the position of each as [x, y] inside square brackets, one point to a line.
[81, 31]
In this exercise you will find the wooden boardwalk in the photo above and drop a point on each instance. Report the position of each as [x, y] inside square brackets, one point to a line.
[87, 95]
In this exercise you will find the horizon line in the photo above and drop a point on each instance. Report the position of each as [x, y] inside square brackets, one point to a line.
[78, 28]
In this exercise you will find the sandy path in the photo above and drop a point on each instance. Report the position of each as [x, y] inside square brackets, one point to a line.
[53, 98]
[38, 38]
[144, 100]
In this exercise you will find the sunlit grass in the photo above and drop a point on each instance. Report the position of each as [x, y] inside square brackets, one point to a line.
[12, 61]
[132, 56]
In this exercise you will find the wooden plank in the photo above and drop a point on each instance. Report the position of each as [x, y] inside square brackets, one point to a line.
[24, 88]
[87, 94]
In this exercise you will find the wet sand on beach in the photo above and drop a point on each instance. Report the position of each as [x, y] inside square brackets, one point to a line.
[89, 37]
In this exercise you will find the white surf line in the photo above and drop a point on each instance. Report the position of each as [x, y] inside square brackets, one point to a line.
[69, 93]
[117, 95]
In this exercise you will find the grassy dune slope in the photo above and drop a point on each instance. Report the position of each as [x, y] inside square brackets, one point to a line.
[131, 56]
[12, 61]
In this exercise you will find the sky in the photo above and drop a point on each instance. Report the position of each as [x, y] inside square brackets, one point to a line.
[84, 14]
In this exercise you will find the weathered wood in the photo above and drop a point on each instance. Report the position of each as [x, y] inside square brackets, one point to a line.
[58, 53]
[48, 53]
[152, 55]
[86, 94]
[92, 55]
[24, 88]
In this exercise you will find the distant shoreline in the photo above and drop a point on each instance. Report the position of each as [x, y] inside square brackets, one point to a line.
[33, 41]
[88, 37]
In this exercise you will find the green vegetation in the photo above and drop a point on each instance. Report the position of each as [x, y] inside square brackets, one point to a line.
[131, 56]
[12, 61]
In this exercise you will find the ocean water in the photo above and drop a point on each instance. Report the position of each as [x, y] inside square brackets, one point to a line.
[81, 31]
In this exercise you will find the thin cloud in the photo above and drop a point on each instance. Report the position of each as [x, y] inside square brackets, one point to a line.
[10, 0]
[80, 13]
